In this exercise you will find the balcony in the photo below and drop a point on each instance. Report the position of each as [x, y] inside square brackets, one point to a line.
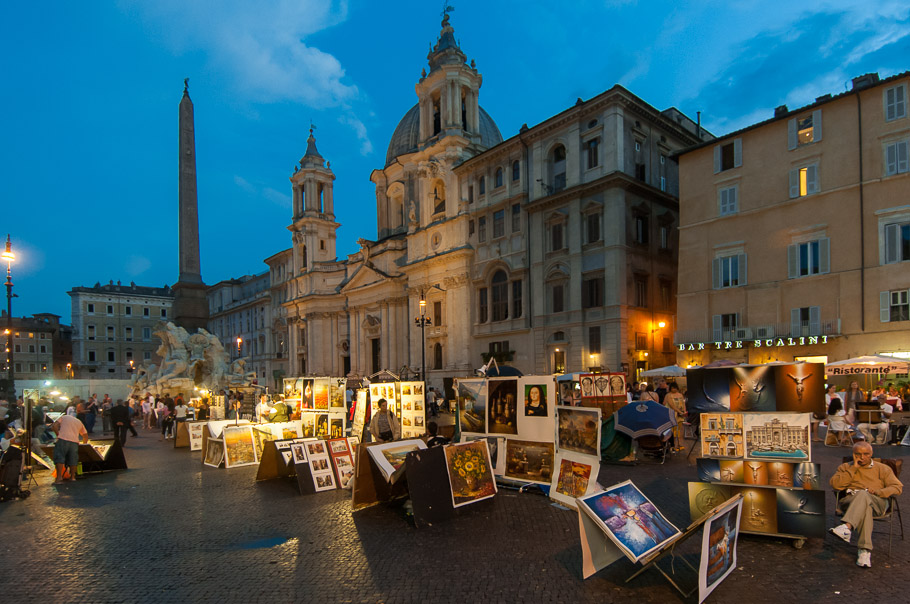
[830, 327]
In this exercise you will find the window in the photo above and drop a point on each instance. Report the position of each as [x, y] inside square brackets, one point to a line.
[90, 308]
[664, 237]
[499, 223]
[729, 271]
[641, 341]
[32, 367]
[728, 199]
[499, 287]
[640, 290]
[804, 181]
[728, 155]
[482, 229]
[592, 291]
[470, 193]
[594, 340]
[90, 332]
[145, 312]
[437, 356]
[558, 301]
[31, 349]
[110, 309]
[640, 173]
[482, 307]
[42, 349]
[497, 178]
[809, 258]
[805, 321]
[437, 313]
[128, 334]
[91, 356]
[516, 218]
[896, 158]
[483, 186]
[895, 102]
[470, 227]
[724, 326]
[111, 356]
[556, 242]
[641, 229]
[516, 298]
[110, 332]
[17, 348]
[18, 367]
[163, 313]
[666, 294]
[558, 168]
[146, 333]
[591, 152]
[128, 311]
[804, 130]
[516, 170]
[592, 227]
[146, 355]
[897, 242]
[895, 305]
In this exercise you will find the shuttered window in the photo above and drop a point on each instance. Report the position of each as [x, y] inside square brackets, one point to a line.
[896, 158]
[895, 102]
[729, 271]
[809, 258]
[729, 202]
[804, 130]
[804, 181]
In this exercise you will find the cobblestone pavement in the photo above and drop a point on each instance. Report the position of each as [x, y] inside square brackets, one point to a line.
[170, 530]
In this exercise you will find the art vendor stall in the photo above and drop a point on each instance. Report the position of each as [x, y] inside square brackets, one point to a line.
[99, 455]
[320, 402]
[756, 441]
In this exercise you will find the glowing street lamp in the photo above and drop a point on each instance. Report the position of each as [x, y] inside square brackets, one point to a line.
[9, 257]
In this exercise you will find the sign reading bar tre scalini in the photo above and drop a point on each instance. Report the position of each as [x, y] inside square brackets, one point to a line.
[770, 342]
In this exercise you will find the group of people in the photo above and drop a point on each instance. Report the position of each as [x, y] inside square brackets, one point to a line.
[842, 410]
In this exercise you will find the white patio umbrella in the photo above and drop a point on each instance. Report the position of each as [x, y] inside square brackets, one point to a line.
[669, 371]
[868, 365]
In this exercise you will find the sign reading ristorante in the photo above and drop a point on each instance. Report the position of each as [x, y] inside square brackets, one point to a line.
[769, 343]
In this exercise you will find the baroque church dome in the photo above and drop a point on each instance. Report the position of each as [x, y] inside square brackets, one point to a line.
[407, 134]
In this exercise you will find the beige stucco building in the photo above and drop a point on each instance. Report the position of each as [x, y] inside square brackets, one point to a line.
[795, 233]
[113, 325]
[554, 250]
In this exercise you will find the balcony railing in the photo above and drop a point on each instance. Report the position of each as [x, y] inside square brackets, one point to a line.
[830, 327]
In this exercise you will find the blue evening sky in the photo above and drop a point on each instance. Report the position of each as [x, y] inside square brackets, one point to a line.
[88, 187]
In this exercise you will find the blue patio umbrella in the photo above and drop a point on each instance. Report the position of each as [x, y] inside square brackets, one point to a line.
[644, 418]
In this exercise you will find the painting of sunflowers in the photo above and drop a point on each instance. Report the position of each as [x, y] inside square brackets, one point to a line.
[470, 472]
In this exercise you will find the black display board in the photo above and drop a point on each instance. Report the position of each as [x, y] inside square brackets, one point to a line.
[428, 484]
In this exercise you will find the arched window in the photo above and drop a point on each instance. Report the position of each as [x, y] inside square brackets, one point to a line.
[500, 296]
[483, 185]
[516, 170]
[437, 356]
[498, 177]
[558, 168]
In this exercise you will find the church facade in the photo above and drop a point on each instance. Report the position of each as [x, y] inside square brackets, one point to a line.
[554, 250]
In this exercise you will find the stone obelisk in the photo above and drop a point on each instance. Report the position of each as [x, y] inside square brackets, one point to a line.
[190, 305]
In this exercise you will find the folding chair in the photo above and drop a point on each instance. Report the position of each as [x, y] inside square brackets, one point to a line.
[654, 446]
[893, 504]
[838, 433]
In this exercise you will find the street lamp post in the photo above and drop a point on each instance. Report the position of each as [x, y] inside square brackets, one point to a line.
[239, 346]
[9, 256]
[422, 321]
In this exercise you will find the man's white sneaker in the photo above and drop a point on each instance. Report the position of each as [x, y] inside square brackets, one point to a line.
[864, 558]
[843, 531]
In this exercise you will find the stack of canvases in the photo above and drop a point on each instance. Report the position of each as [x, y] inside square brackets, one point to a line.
[320, 402]
[756, 441]
[530, 439]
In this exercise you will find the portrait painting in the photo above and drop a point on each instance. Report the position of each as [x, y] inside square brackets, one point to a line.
[307, 397]
[718, 551]
[578, 429]
[502, 415]
[529, 461]
[629, 519]
[214, 453]
[535, 400]
[470, 472]
[472, 405]
[308, 421]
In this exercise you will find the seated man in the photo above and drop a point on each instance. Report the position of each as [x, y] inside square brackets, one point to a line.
[880, 427]
[868, 485]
